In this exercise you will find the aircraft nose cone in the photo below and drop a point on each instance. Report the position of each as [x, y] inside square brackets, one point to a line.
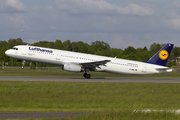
[7, 52]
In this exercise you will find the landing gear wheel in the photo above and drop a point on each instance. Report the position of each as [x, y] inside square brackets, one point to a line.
[85, 75]
[88, 76]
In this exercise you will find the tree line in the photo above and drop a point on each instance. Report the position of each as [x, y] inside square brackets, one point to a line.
[97, 48]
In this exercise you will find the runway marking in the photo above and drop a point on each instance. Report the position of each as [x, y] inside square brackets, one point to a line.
[149, 111]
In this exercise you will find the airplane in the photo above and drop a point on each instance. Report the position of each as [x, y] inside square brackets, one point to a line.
[81, 62]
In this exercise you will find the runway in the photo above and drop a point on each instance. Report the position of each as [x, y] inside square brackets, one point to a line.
[97, 79]
[38, 115]
[73, 79]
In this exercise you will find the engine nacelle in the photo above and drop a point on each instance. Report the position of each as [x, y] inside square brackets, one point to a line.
[73, 67]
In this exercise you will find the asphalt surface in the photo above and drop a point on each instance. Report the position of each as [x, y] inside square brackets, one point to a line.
[38, 115]
[98, 79]
[73, 79]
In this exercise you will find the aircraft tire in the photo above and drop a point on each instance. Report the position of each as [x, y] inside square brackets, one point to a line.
[88, 76]
[84, 75]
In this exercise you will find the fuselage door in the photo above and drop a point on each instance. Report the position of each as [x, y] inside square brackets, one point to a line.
[57, 55]
[24, 52]
[144, 66]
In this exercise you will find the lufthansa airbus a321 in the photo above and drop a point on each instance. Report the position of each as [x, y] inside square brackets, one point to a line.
[80, 62]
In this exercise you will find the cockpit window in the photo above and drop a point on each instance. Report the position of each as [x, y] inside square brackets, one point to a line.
[15, 48]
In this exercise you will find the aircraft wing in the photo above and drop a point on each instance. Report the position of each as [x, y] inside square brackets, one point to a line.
[93, 65]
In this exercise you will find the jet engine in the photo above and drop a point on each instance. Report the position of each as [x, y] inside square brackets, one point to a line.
[73, 67]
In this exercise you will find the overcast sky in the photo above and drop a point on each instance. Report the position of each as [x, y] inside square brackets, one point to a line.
[120, 23]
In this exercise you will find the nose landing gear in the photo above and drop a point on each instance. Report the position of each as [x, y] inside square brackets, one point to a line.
[23, 64]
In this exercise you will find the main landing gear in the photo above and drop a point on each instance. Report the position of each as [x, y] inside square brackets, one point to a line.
[86, 75]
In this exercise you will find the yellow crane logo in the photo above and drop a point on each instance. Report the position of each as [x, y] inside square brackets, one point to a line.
[163, 54]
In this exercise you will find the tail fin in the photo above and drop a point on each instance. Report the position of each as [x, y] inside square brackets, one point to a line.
[161, 57]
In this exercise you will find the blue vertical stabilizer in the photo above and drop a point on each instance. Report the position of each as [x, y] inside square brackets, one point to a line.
[161, 57]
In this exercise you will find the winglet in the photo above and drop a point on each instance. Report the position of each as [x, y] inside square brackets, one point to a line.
[161, 57]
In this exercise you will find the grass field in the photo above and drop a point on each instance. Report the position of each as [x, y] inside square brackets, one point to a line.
[57, 96]
[108, 101]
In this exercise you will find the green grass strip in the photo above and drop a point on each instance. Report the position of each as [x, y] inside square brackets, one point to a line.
[62, 96]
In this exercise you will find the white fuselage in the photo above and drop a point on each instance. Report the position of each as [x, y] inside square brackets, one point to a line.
[61, 57]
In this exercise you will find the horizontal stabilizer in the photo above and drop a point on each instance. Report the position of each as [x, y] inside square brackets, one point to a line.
[165, 69]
